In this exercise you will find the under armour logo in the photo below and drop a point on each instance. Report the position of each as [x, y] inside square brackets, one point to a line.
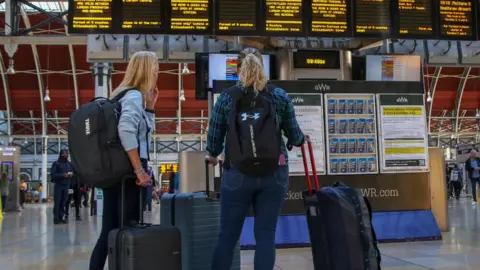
[246, 116]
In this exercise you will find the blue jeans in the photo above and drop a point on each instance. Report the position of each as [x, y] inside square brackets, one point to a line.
[238, 193]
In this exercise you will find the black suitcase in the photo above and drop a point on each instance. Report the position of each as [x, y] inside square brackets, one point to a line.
[339, 223]
[143, 246]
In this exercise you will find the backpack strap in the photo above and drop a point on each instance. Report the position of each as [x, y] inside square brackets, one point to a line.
[374, 235]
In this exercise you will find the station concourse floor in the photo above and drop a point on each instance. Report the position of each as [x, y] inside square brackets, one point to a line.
[30, 241]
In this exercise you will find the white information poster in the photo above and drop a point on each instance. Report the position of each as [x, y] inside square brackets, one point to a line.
[404, 141]
[309, 113]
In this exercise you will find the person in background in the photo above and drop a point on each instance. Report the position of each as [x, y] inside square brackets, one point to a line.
[172, 182]
[4, 189]
[38, 192]
[73, 194]
[61, 173]
[239, 192]
[135, 129]
[456, 180]
[148, 192]
[23, 191]
[472, 166]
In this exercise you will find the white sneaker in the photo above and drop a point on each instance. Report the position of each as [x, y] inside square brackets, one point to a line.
[474, 203]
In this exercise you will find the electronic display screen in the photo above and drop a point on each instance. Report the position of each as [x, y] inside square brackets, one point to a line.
[457, 19]
[90, 16]
[415, 18]
[142, 15]
[372, 18]
[330, 18]
[191, 16]
[316, 59]
[284, 17]
[236, 16]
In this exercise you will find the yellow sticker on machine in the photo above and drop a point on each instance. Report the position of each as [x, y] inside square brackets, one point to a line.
[402, 111]
[406, 150]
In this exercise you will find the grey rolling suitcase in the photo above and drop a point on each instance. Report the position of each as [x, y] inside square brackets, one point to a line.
[197, 216]
[142, 246]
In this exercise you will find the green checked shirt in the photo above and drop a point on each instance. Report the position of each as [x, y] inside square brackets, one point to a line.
[217, 127]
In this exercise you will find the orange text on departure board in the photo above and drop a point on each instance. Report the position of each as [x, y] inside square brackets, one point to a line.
[141, 14]
[456, 17]
[92, 14]
[413, 6]
[283, 16]
[329, 16]
[189, 14]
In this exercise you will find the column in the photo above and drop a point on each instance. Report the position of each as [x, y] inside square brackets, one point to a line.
[44, 194]
[102, 73]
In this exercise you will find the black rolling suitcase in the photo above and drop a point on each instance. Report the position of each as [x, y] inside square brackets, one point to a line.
[143, 246]
[339, 223]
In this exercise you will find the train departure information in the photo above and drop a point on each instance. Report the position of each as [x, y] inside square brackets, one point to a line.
[456, 18]
[283, 16]
[91, 15]
[237, 15]
[372, 17]
[141, 14]
[415, 17]
[190, 15]
[329, 16]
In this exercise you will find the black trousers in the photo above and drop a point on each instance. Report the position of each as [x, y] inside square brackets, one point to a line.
[457, 188]
[111, 217]
[76, 201]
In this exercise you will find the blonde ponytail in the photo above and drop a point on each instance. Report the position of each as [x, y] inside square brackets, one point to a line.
[251, 69]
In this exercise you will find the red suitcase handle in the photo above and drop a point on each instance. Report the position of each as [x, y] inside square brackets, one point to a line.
[305, 165]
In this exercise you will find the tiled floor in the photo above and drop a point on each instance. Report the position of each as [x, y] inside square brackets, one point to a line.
[29, 241]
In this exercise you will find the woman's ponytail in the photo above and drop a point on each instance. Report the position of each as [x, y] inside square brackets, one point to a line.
[251, 69]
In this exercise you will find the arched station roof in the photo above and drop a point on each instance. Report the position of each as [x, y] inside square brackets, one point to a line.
[454, 91]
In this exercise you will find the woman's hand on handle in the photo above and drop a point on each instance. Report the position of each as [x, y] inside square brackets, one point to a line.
[212, 160]
[143, 179]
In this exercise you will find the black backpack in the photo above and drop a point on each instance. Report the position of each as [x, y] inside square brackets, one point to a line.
[95, 148]
[253, 136]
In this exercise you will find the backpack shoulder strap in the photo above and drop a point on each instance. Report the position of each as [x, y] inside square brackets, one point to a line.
[123, 93]
[235, 92]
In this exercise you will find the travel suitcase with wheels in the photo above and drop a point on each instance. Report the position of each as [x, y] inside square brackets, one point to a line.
[143, 246]
[197, 215]
[339, 223]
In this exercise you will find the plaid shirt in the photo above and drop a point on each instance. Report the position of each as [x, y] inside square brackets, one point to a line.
[217, 127]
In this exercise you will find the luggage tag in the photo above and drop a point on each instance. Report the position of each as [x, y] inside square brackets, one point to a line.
[70, 191]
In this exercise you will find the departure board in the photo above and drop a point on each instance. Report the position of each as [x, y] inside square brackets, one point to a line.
[372, 17]
[415, 18]
[142, 15]
[90, 16]
[330, 18]
[236, 16]
[284, 17]
[190, 16]
[456, 19]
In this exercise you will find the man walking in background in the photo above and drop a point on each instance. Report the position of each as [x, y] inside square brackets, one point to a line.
[472, 166]
[61, 173]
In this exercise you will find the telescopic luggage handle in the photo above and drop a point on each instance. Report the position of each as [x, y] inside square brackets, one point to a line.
[305, 165]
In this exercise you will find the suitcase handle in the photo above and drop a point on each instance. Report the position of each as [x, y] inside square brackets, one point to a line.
[122, 201]
[211, 196]
[305, 165]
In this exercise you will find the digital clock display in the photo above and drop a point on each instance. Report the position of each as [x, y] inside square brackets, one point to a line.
[316, 59]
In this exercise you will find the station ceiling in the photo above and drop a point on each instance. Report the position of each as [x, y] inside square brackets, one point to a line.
[57, 64]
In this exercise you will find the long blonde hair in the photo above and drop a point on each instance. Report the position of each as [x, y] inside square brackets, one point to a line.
[141, 73]
[250, 69]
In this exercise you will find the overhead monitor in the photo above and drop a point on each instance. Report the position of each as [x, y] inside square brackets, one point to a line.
[191, 17]
[237, 17]
[284, 17]
[457, 19]
[415, 19]
[330, 18]
[372, 18]
[223, 66]
[90, 16]
[142, 16]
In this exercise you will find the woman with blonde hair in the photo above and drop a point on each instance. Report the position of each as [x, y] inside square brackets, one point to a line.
[137, 94]
[240, 188]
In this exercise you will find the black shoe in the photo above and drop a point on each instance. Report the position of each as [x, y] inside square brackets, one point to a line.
[65, 221]
[56, 222]
[78, 218]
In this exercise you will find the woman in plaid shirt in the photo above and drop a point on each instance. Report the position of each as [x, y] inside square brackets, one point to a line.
[238, 191]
